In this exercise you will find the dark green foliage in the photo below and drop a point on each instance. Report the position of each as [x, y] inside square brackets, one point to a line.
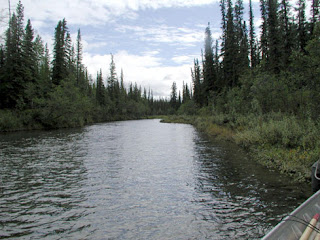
[174, 103]
[188, 108]
[286, 32]
[60, 59]
[100, 90]
[252, 39]
[274, 52]
[197, 84]
[264, 31]
[302, 25]
[66, 106]
[12, 84]
[284, 65]
[37, 94]
[186, 94]
[209, 76]
[230, 51]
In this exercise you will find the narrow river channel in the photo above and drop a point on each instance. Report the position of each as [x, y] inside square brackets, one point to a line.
[136, 180]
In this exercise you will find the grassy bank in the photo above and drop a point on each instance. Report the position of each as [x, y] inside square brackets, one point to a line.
[274, 140]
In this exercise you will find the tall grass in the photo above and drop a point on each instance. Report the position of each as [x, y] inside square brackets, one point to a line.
[275, 140]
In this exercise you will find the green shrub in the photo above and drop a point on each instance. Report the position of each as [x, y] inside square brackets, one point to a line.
[9, 121]
[288, 132]
[188, 108]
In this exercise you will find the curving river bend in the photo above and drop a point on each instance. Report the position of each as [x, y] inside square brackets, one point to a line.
[136, 180]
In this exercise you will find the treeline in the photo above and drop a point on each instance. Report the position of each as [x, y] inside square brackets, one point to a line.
[39, 92]
[279, 71]
[265, 89]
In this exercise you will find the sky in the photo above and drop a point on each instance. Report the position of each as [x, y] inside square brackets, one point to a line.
[154, 42]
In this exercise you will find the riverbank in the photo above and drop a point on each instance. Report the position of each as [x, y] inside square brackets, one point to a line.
[276, 141]
[38, 119]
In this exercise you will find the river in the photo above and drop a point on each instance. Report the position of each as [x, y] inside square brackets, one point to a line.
[136, 180]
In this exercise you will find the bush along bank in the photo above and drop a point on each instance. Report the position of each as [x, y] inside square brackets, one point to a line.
[274, 140]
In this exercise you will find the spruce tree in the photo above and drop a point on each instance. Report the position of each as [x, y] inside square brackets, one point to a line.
[314, 14]
[186, 96]
[252, 37]
[223, 23]
[29, 54]
[30, 65]
[208, 65]
[112, 80]
[13, 84]
[241, 41]
[302, 26]
[287, 37]
[231, 50]
[60, 57]
[70, 58]
[100, 90]
[174, 97]
[44, 73]
[264, 31]
[243, 63]
[39, 50]
[274, 49]
[79, 67]
[197, 85]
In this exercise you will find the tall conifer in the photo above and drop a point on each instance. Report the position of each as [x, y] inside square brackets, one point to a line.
[79, 67]
[274, 49]
[208, 65]
[29, 54]
[252, 37]
[264, 31]
[302, 25]
[231, 48]
[13, 84]
[287, 37]
[60, 57]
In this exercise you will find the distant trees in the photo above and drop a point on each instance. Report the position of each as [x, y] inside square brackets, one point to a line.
[197, 84]
[174, 97]
[59, 92]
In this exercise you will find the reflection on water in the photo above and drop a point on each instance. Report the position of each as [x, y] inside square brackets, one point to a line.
[41, 179]
[136, 180]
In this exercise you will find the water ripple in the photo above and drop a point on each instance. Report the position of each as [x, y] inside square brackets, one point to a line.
[135, 180]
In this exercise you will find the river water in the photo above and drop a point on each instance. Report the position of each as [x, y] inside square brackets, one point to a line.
[136, 180]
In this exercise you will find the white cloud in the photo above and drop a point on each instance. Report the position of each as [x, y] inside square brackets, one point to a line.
[164, 34]
[182, 59]
[93, 12]
[145, 70]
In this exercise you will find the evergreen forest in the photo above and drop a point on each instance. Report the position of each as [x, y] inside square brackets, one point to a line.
[271, 69]
[261, 87]
[38, 92]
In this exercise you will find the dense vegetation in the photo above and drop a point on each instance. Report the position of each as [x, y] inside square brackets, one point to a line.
[262, 86]
[39, 92]
[264, 89]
